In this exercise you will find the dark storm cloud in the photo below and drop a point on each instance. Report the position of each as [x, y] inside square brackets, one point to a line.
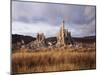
[76, 17]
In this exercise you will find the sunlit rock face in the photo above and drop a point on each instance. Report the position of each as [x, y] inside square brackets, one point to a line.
[63, 39]
[64, 36]
[39, 42]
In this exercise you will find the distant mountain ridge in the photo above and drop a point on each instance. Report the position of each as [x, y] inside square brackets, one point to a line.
[18, 38]
[86, 39]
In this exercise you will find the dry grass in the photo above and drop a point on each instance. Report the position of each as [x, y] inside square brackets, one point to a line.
[58, 59]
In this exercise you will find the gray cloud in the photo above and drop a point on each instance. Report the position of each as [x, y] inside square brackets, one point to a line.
[78, 18]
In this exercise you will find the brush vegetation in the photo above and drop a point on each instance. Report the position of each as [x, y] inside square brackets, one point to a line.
[53, 59]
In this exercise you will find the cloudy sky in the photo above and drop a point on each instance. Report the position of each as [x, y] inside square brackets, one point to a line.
[29, 18]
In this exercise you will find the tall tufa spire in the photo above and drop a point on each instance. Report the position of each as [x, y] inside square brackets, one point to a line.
[64, 36]
[61, 36]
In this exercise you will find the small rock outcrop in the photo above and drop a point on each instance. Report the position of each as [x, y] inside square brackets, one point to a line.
[39, 42]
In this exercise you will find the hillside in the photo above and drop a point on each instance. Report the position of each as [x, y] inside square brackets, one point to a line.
[18, 38]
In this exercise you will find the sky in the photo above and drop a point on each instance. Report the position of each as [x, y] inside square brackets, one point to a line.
[29, 18]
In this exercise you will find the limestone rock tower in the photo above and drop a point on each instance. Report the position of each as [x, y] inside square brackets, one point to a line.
[38, 43]
[64, 36]
[40, 40]
[61, 35]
